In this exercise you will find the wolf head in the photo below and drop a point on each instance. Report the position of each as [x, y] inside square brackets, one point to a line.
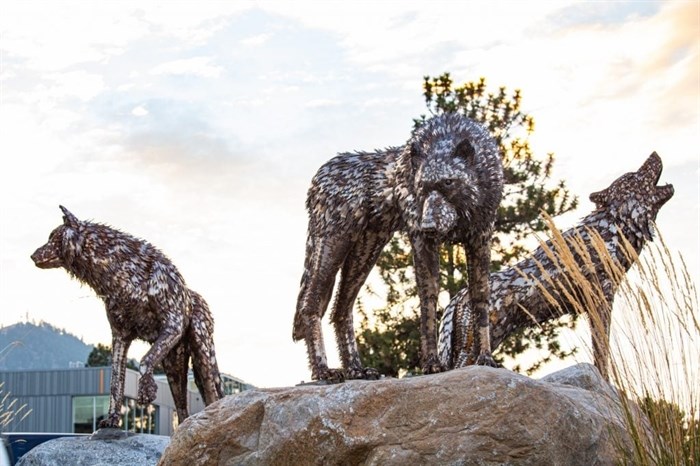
[458, 174]
[63, 244]
[636, 195]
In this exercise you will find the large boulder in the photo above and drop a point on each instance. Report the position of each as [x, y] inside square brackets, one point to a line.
[475, 415]
[101, 449]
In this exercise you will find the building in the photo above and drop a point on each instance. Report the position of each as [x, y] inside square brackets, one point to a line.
[232, 385]
[75, 400]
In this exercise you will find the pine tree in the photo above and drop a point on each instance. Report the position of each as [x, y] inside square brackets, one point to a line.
[101, 356]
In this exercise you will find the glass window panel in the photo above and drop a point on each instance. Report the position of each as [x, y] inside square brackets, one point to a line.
[88, 411]
[101, 409]
[139, 419]
[83, 414]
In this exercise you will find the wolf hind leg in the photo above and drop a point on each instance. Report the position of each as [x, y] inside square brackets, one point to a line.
[175, 366]
[358, 264]
[201, 342]
[324, 256]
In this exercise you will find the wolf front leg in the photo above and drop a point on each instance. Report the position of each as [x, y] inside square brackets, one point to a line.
[120, 347]
[478, 263]
[171, 333]
[427, 269]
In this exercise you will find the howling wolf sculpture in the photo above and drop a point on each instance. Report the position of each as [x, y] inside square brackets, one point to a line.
[445, 184]
[521, 296]
[146, 298]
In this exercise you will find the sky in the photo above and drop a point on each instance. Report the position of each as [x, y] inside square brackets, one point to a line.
[199, 125]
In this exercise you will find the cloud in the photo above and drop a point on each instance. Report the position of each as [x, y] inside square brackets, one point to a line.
[321, 103]
[677, 59]
[139, 111]
[602, 13]
[74, 84]
[195, 66]
[256, 40]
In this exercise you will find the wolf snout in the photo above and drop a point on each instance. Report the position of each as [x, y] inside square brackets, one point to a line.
[664, 193]
[36, 257]
[429, 229]
[43, 260]
[438, 215]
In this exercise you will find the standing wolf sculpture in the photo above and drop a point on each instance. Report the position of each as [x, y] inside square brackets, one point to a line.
[146, 298]
[445, 184]
[531, 292]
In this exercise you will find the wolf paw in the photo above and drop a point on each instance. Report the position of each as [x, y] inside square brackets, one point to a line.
[112, 420]
[331, 375]
[432, 366]
[485, 359]
[365, 373]
[147, 389]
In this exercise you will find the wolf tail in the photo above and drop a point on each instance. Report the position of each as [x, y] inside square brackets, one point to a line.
[298, 332]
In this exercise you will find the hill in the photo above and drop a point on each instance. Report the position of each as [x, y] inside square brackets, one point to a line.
[26, 346]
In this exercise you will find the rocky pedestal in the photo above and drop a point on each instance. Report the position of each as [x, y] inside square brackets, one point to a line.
[475, 415]
[108, 447]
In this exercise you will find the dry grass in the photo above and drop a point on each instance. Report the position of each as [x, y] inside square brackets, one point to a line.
[10, 410]
[654, 344]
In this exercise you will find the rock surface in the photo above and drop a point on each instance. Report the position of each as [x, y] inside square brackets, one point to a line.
[130, 450]
[475, 415]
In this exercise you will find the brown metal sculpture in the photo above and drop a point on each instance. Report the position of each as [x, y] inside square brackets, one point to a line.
[146, 298]
[443, 185]
[531, 291]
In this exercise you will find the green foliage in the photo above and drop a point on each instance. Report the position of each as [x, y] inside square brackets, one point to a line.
[527, 193]
[543, 337]
[677, 433]
[394, 348]
[101, 356]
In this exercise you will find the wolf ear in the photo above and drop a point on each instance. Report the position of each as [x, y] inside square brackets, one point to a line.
[68, 218]
[415, 156]
[598, 198]
[652, 165]
[466, 151]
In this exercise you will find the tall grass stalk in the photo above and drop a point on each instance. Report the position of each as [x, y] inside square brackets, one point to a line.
[654, 344]
[10, 410]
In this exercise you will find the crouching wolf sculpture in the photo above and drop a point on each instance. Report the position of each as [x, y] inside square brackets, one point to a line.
[531, 292]
[445, 184]
[146, 298]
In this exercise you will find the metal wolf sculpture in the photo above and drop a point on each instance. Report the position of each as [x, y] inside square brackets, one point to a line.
[146, 298]
[624, 216]
[445, 184]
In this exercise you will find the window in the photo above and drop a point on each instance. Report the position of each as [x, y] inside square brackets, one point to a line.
[88, 411]
[137, 418]
[232, 386]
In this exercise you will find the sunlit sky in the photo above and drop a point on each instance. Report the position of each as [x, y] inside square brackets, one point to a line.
[198, 126]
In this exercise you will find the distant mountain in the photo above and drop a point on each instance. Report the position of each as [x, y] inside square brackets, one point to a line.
[25, 346]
